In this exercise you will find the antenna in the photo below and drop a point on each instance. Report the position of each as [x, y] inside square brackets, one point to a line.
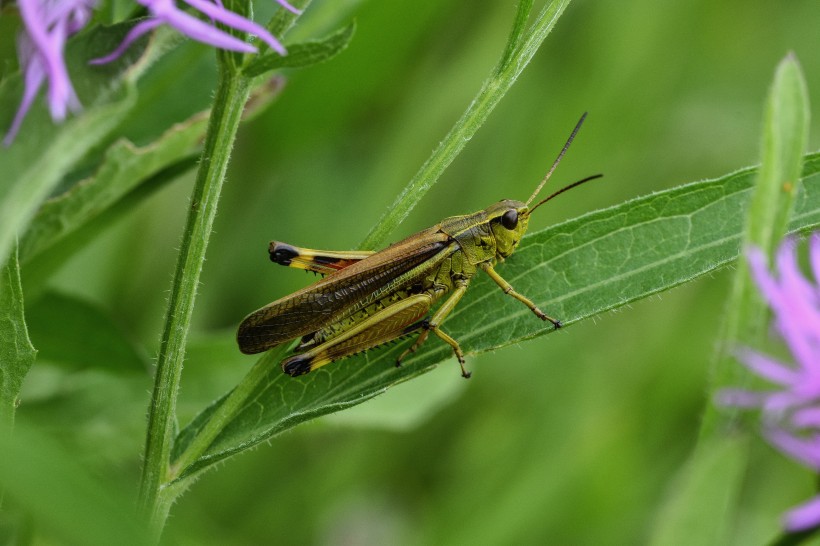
[558, 160]
[565, 188]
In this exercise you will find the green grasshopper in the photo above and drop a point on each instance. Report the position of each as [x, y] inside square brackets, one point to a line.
[370, 298]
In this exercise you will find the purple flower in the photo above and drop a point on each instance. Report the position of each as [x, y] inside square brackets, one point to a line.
[47, 26]
[792, 411]
[166, 12]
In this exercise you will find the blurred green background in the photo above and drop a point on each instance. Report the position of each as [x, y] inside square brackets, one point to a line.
[574, 438]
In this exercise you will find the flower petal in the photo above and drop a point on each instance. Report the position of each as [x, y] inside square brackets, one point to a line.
[289, 7]
[47, 25]
[740, 398]
[805, 449]
[132, 36]
[238, 22]
[203, 32]
[799, 293]
[33, 81]
[766, 367]
[807, 418]
[798, 317]
[805, 516]
[763, 279]
[167, 12]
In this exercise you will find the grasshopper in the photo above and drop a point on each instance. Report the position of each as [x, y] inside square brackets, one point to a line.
[368, 299]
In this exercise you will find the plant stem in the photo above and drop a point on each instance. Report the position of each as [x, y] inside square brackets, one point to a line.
[512, 63]
[785, 133]
[231, 95]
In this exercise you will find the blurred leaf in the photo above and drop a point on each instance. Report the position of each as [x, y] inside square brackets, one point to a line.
[575, 270]
[16, 351]
[69, 503]
[262, 96]
[43, 153]
[785, 134]
[98, 415]
[303, 54]
[784, 137]
[704, 496]
[123, 168]
[121, 171]
[126, 177]
[211, 362]
[25, 186]
[75, 334]
[44, 264]
[283, 21]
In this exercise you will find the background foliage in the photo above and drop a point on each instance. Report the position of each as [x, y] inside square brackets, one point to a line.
[575, 437]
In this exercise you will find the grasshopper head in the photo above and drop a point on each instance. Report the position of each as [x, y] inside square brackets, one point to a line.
[508, 222]
[508, 219]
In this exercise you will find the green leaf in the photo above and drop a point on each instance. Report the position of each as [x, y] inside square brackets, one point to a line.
[90, 339]
[91, 407]
[705, 493]
[283, 21]
[74, 506]
[43, 153]
[123, 168]
[43, 265]
[126, 176]
[16, 351]
[303, 54]
[575, 270]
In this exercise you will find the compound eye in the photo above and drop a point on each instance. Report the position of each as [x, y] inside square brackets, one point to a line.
[510, 219]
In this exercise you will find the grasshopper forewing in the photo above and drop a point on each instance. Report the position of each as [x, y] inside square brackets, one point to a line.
[370, 298]
[321, 307]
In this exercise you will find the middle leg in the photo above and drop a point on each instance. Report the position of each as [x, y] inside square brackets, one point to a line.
[434, 325]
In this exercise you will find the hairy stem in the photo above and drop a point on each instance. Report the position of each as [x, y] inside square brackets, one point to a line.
[231, 95]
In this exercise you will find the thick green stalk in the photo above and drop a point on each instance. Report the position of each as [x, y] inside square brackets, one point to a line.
[231, 95]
